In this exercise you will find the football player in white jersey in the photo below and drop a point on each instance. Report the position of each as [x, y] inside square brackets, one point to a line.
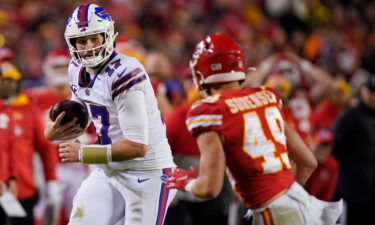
[133, 154]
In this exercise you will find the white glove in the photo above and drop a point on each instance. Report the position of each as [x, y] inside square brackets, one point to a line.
[54, 202]
[55, 193]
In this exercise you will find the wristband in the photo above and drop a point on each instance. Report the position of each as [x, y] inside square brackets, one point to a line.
[189, 185]
[95, 154]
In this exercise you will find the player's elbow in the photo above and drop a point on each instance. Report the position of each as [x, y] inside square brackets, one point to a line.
[311, 164]
[209, 194]
[207, 191]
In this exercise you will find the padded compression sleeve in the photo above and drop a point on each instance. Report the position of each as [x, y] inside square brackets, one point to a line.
[132, 114]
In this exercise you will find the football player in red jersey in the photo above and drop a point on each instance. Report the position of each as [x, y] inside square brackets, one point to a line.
[8, 156]
[322, 183]
[244, 129]
[29, 139]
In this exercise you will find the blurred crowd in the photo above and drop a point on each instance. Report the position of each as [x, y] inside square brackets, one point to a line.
[336, 35]
[316, 53]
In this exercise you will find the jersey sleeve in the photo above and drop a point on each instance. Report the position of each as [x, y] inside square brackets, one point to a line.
[132, 115]
[203, 117]
[130, 78]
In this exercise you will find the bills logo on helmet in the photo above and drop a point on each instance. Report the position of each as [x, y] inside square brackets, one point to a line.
[102, 13]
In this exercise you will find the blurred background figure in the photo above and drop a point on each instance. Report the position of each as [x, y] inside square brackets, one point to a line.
[354, 149]
[167, 92]
[300, 84]
[29, 139]
[322, 183]
[8, 157]
[337, 99]
[6, 55]
[130, 47]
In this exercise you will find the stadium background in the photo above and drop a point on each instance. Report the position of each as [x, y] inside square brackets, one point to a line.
[336, 35]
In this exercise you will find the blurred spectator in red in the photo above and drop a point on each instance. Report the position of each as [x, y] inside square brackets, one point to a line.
[322, 183]
[167, 91]
[8, 159]
[130, 47]
[300, 82]
[338, 98]
[29, 138]
[300, 73]
[6, 54]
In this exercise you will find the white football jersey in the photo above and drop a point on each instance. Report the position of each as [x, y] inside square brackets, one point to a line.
[112, 84]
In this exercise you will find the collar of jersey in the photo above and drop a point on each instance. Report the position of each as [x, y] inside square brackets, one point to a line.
[91, 84]
[20, 99]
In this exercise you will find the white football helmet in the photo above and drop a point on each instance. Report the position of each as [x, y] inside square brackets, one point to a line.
[89, 19]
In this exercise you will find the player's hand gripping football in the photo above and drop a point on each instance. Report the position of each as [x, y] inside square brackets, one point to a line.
[179, 178]
[57, 131]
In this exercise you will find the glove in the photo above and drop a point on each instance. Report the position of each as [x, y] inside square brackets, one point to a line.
[179, 178]
[55, 191]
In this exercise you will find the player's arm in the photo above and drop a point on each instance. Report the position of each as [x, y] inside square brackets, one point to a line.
[133, 120]
[211, 173]
[300, 154]
[321, 80]
[256, 77]
[211, 167]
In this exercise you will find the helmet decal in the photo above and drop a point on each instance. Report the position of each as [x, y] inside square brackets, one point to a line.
[198, 50]
[82, 16]
[102, 14]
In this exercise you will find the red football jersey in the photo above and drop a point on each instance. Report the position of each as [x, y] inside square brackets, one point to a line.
[29, 138]
[7, 154]
[252, 124]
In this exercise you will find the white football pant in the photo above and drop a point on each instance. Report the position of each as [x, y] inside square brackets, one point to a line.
[104, 198]
[297, 207]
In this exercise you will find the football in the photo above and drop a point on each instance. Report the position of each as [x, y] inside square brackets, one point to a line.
[72, 109]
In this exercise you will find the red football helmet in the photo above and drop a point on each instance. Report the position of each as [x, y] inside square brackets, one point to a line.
[55, 67]
[288, 67]
[217, 58]
[6, 54]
